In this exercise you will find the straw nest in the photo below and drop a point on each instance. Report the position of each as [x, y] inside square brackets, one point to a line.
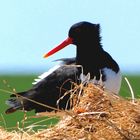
[96, 115]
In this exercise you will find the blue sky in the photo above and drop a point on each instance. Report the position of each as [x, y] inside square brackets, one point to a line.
[30, 28]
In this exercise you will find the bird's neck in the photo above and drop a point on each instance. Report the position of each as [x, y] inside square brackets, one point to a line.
[88, 54]
[89, 57]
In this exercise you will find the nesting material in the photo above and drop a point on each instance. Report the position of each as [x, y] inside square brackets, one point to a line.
[99, 115]
[96, 115]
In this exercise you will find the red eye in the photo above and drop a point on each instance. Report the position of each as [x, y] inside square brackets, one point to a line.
[78, 30]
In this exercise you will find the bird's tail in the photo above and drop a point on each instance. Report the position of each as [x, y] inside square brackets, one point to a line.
[16, 102]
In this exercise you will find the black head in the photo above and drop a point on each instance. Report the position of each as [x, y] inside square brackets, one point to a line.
[84, 32]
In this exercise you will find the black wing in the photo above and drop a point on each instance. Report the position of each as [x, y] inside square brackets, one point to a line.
[47, 91]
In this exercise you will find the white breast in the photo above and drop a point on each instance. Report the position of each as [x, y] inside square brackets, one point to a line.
[112, 83]
[113, 80]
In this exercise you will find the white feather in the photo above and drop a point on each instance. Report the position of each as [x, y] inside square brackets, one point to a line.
[112, 83]
[42, 76]
[113, 80]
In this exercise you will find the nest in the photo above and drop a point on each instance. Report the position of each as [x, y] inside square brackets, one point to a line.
[96, 115]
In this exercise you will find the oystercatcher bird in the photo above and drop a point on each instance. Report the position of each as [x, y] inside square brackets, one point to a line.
[89, 54]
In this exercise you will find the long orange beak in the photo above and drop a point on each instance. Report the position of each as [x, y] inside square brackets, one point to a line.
[59, 47]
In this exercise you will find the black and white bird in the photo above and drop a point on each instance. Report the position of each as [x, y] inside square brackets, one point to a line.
[89, 54]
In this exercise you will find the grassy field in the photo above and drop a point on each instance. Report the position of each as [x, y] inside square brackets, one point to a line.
[23, 82]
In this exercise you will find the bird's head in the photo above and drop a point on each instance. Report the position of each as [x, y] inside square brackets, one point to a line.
[83, 32]
[80, 33]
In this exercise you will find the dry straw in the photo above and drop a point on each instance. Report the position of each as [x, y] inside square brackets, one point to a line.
[96, 115]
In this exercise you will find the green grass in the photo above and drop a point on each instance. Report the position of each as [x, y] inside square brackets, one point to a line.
[23, 82]
[134, 81]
